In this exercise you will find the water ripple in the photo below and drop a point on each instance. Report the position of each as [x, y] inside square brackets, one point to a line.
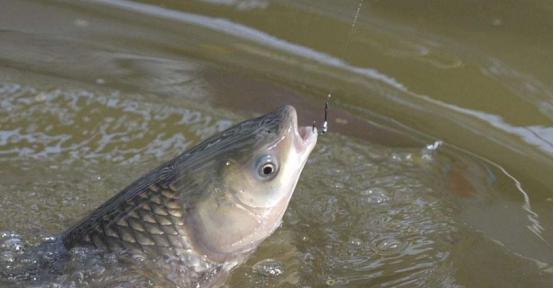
[81, 124]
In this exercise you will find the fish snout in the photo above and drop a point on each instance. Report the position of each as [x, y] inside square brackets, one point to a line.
[305, 137]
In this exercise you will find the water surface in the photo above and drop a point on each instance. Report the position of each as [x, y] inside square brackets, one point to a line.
[436, 173]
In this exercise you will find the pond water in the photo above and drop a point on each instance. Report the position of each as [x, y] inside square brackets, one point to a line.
[437, 171]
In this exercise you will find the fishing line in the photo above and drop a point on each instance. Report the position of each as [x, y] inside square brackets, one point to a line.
[324, 127]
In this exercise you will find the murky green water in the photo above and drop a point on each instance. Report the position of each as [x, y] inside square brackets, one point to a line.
[94, 94]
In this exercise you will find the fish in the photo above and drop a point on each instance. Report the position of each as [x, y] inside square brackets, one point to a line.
[205, 211]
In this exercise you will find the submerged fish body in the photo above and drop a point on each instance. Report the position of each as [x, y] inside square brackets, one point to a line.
[204, 211]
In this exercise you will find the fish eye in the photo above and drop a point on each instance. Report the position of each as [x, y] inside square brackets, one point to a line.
[267, 167]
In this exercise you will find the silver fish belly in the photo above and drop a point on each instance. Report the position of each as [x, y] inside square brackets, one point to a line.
[207, 209]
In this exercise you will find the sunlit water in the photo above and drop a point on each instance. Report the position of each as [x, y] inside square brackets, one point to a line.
[80, 118]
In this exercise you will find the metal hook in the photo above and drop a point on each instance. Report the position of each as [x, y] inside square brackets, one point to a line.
[324, 127]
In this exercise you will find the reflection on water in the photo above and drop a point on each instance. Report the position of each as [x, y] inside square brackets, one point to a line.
[108, 90]
[83, 125]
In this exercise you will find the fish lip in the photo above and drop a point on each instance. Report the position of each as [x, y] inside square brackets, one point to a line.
[305, 136]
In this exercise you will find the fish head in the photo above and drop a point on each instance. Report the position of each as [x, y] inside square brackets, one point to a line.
[265, 177]
[256, 165]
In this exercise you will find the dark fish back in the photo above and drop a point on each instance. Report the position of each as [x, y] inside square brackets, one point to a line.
[147, 216]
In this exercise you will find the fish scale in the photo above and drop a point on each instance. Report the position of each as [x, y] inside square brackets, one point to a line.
[153, 220]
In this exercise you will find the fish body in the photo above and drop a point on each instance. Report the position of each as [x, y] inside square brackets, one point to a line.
[203, 212]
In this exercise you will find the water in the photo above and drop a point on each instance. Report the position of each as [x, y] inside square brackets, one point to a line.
[436, 171]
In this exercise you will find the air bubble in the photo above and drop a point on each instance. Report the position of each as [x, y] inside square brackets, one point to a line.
[388, 246]
[11, 242]
[375, 195]
[269, 268]
[429, 150]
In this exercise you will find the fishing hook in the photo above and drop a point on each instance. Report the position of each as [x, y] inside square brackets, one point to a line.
[324, 128]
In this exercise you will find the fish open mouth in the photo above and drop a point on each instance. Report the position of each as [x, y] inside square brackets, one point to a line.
[306, 133]
[306, 136]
